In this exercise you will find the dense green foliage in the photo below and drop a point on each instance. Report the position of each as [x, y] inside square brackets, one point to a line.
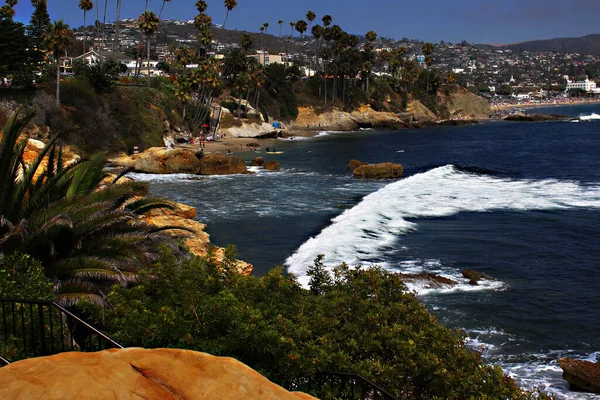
[114, 121]
[17, 57]
[102, 75]
[351, 320]
[86, 232]
[22, 277]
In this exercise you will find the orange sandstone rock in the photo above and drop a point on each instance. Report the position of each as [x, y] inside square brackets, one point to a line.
[160, 374]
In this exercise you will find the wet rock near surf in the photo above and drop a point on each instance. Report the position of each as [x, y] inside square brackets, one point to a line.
[475, 276]
[272, 166]
[430, 281]
[582, 375]
[257, 162]
[535, 117]
[353, 164]
[379, 171]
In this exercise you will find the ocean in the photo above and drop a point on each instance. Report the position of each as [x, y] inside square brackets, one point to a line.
[517, 201]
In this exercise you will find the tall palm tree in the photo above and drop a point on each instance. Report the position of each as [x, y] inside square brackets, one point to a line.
[327, 20]
[229, 5]
[262, 37]
[371, 36]
[87, 237]
[265, 29]
[85, 6]
[280, 22]
[310, 17]
[292, 25]
[117, 26]
[162, 8]
[148, 23]
[104, 23]
[427, 52]
[58, 38]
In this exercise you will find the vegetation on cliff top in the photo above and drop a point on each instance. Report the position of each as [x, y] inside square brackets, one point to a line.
[356, 320]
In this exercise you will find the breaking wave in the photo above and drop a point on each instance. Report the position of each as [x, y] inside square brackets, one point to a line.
[364, 234]
[591, 117]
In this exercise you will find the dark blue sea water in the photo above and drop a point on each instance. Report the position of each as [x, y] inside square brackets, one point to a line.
[518, 201]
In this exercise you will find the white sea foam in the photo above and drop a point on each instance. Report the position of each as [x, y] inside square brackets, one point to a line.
[591, 117]
[293, 138]
[362, 235]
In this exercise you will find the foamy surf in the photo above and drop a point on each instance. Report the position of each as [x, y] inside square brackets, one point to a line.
[591, 117]
[364, 234]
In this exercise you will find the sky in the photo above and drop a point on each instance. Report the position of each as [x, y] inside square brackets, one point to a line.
[476, 21]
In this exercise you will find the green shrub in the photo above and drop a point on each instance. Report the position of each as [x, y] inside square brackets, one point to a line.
[22, 277]
[360, 321]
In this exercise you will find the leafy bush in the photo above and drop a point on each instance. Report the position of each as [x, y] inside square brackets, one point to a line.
[22, 277]
[360, 321]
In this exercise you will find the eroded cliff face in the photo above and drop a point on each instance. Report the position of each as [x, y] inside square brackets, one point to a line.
[159, 374]
[193, 234]
[461, 103]
[364, 117]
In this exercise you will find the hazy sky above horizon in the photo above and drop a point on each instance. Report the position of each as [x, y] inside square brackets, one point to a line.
[480, 21]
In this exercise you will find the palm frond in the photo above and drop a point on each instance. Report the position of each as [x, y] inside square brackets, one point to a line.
[146, 204]
[87, 177]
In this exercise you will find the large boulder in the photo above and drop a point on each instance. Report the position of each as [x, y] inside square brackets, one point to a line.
[379, 171]
[272, 166]
[581, 375]
[429, 281]
[474, 276]
[159, 160]
[160, 374]
[258, 162]
[219, 164]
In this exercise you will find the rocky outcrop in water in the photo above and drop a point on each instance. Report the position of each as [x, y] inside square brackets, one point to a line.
[159, 160]
[193, 234]
[581, 375]
[353, 164]
[159, 374]
[218, 164]
[429, 281]
[272, 166]
[535, 117]
[475, 276]
[257, 162]
[379, 171]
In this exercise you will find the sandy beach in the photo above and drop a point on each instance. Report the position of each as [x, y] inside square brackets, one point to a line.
[238, 145]
[536, 104]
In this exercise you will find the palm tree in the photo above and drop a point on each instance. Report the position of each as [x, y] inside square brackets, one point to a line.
[201, 6]
[229, 5]
[301, 27]
[310, 17]
[326, 20]
[280, 22]
[104, 22]
[264, 29]
[148, 23]
[85, 6]
[246, 41]
[162, 7]
[117, 25]
[58, 38]
[262, 37]
[87, 237]
[371, 36]
[292, 25]
[427, 52]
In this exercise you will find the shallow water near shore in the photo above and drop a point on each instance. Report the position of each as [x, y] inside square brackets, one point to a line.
[517, 201]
